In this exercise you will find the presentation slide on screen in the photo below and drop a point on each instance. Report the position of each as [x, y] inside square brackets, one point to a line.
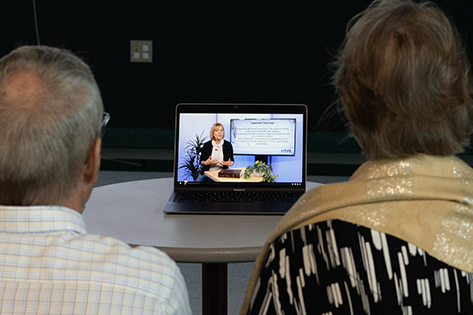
[263, 136]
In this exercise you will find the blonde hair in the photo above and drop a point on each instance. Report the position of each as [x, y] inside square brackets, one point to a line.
[212, 129]
[403, 78]
[45, 141]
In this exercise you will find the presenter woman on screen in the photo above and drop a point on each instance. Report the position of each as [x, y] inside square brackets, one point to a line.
[217, 153]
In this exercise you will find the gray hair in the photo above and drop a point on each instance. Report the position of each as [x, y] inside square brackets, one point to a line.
[45, 140]
[404, 80]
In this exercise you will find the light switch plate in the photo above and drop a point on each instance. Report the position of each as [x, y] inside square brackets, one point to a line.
[141, 51]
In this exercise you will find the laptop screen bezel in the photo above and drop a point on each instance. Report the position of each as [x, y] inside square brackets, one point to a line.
[222, 108]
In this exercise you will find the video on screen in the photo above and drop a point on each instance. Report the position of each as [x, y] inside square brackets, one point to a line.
[246, 148]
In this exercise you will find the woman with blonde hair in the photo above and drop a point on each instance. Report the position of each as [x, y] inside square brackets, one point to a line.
[217, 153]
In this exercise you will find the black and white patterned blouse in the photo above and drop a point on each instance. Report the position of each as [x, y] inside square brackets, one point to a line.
[335, 267]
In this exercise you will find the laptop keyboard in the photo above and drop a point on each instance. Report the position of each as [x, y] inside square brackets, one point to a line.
[238, 196]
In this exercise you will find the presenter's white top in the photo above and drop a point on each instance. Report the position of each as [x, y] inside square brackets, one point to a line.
[217, 154]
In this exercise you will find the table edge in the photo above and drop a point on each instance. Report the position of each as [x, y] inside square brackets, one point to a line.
[211, 255]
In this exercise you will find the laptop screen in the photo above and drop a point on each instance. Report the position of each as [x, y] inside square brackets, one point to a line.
[274, 134]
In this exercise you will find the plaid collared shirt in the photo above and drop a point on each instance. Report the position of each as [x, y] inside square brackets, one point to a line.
[49, 265]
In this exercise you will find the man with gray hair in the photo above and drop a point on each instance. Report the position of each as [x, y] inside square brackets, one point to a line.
[51, 118]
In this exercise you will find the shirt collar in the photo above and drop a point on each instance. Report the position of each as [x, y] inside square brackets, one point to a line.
[40, 219]
[218, 145]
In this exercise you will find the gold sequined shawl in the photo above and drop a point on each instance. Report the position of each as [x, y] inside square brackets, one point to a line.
[424, 200]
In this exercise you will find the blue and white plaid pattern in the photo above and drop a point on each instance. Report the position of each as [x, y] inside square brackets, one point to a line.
[49, 265]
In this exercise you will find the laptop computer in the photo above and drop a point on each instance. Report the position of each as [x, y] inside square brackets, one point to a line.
[275, 134]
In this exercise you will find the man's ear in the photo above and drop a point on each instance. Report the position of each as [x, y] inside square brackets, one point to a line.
[92, 166]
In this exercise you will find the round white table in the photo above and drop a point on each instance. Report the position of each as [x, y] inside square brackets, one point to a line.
[133, 213]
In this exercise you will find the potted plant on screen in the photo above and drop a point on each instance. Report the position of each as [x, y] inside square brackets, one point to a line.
[260, 169]
[191, 165]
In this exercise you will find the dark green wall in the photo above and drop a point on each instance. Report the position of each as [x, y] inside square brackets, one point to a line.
[204, 51]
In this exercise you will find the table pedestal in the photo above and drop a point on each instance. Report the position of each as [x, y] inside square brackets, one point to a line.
[214, 289]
